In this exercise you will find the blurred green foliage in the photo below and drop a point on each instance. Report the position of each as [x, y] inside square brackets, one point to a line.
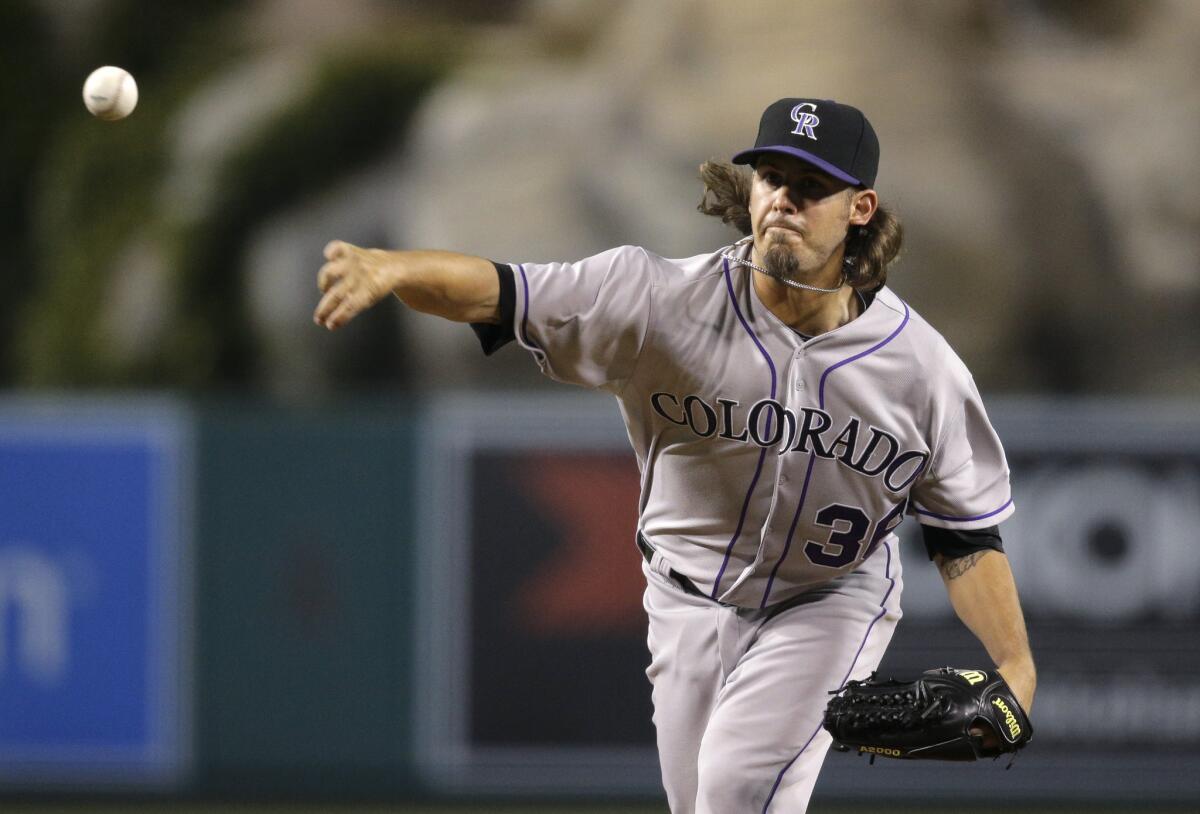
[360, 103]
[59, 169]
[24, 36]
[84, 189]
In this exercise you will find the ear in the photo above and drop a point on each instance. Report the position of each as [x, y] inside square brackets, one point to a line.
[862, 206]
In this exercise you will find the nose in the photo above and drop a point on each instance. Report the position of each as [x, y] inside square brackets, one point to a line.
[782, 201]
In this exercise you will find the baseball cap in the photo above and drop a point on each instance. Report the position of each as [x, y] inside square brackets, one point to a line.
[834, 137]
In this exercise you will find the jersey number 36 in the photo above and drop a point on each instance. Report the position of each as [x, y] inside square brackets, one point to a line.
[849, 526]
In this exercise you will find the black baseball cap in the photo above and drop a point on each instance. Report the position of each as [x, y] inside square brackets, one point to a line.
[834, 137]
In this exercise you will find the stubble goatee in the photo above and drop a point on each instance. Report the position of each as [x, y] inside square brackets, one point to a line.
[779, 260]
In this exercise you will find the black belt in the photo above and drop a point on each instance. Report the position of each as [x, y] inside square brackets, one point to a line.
[683, 582]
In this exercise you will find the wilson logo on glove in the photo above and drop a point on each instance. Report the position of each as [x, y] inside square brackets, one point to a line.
[1010, 720]
[943, 714]
[973, 677]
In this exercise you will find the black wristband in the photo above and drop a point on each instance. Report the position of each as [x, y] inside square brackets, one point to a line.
[493, 337]
[955, 543]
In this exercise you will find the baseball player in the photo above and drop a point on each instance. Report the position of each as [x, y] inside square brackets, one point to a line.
[787, 411]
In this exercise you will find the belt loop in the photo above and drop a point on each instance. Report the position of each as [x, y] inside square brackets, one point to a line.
[658, 563]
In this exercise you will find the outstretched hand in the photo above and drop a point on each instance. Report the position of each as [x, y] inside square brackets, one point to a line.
[352, 280]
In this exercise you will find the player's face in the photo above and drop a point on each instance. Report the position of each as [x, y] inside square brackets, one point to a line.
[796, 209]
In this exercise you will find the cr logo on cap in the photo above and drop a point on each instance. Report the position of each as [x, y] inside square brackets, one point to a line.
[805, 120]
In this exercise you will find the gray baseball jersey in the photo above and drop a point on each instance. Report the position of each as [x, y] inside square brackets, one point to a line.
[770, 462]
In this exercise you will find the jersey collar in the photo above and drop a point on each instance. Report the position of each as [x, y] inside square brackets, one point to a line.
[875, 320]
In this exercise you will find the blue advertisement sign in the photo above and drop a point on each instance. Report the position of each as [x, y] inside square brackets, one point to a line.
[93, 594]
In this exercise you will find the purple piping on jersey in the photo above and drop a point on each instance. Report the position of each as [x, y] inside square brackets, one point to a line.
[867, 352]
[965, 519]
[762, 456]
[525, 311]
[887, 572]
[812, 459]
[812, 456]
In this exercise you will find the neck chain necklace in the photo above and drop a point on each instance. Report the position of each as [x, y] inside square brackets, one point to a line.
[785, 280]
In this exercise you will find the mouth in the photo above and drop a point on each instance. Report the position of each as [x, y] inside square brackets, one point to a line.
[779, 227]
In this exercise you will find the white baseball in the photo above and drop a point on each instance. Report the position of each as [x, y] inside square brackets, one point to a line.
[110, 93]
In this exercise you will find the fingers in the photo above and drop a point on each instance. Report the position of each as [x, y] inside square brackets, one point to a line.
[339, 306]
[329, 274]
[332, 314]
[343, 313]
[989, 738]
[335, 309]
[341, 281]
[325, 308]
[335, 249]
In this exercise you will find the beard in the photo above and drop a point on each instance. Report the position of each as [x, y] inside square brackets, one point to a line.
[801, 264]
[779, 260]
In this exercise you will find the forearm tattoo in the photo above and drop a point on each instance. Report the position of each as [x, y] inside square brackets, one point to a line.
[955, 568]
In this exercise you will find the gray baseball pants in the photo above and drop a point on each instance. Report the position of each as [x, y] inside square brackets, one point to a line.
[739, 693]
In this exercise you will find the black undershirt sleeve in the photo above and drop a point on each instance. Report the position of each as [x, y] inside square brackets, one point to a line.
[955, 543]
[493, 337]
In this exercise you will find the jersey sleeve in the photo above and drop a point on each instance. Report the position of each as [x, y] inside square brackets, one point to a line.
[585, 322]
[966, 484]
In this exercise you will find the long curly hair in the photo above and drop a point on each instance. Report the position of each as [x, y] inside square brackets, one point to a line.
[870, 249]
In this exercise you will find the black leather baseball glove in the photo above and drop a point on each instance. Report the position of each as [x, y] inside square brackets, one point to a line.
[944, 714]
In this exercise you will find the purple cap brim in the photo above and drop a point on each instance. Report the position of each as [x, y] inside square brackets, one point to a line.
[748, 156]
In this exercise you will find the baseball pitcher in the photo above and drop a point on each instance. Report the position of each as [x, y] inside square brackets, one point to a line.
[788, 411]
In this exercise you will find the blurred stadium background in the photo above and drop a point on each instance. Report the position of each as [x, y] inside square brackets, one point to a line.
[245, 563]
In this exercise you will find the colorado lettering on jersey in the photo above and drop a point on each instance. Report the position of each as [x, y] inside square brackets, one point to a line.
[873, 452]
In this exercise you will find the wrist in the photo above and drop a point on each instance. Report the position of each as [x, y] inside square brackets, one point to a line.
[1022, 666]
[1021, 677]
[392, 271]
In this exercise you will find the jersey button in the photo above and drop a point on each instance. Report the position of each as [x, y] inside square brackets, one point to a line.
[799, 384]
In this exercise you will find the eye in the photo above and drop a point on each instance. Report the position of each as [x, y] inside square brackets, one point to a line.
[771, 177]
[812, 188]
